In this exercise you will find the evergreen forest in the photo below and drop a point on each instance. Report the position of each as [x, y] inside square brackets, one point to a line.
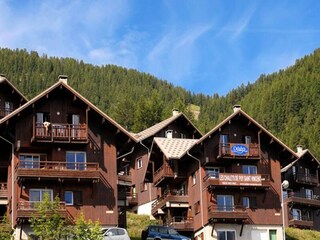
[287, 102]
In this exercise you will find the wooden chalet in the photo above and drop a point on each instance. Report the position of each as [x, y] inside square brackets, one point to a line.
[135, 176]
[302, 197]
[60, 144]
[226, 185]
[10, 97]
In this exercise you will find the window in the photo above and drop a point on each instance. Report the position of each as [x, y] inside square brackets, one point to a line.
[249, 169]
[272, 234]
[8, 108]
[29, 160]
[76, 160]
[68, 197]
[169, 133]
[226, 235]
[194, 178]
[296, 214]
[249, 202]
[37, 195]
[225, 202]
[139, 163]
[213, 172]
[42, 117]
[197, 207]
[247, 139]
[309, 193]
[224, 139]
[183, 135]
[144, 186]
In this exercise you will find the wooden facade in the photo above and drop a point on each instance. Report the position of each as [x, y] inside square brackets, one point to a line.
[302, 197]
[63, 146]
[238, 183]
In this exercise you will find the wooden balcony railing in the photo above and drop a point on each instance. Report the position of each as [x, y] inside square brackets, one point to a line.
[310, 179]
[181, 223]
[3, 190]
[226, 213]
[239, 150]
[237, 180]
[124, 179]
[300, 221]
[171, 196]
[60, 132]
[27, 209]
[165, 171]
[303, 199]
[55, 169]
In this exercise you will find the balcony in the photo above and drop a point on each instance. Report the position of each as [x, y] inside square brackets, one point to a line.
[3, 192]
[27, 209]
[302, 178]
[239, 150]
[300, 222]
[237, 180]
[60, 132]
[182, 223]
[57, 170]
[132, 198]
[228, 214]
[165, 174]
[303, 199]
[172, 198]
[124, 180]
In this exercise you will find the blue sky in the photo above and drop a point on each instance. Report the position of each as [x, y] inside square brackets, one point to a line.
[204, 46]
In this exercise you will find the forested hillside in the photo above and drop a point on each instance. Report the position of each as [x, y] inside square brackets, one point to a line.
[286, 103]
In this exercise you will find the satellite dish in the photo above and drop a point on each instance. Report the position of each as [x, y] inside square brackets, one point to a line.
[285, 184]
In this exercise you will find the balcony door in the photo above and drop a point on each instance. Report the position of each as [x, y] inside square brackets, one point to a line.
[249, 169]
[76, 160]
[224, 141]
[37, 195]
[296, 214]
[309, 193]
[75, 125]
[225, 203]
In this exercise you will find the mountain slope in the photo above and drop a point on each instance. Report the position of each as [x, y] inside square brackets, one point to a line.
[286, 103]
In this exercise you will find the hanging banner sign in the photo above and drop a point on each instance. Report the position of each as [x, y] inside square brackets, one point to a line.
[239, 149]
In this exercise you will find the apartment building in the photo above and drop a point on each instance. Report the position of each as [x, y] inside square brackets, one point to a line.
[135, 175]
[302, 196]
[60, 144]
[230, 180]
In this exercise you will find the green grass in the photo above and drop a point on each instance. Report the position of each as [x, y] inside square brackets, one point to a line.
[298, 234]
[136, 223]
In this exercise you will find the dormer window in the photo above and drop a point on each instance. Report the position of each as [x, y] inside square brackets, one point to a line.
[169, 134]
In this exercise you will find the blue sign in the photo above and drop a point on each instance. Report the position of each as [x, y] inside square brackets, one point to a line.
[239, 149]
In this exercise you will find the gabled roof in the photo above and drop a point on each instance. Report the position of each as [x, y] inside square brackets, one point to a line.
[159, 126]
[174, 148]
[241, 112]
[78, 95]
[3, 80]
[300, 155]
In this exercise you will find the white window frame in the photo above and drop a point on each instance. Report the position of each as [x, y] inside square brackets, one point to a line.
[183, 135]
[308, 193]
[139, 163]
[298, 211]
[249, 168]
[72, 197]
[225, 231]
[42, 191]
[30, 164]
[225, 207]
[8, 107]
[76, 166]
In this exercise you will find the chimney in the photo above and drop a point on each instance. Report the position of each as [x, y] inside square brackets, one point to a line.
[2, 77]
[236, 108]
[63, 78]
[175, 112]
[299, 148]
